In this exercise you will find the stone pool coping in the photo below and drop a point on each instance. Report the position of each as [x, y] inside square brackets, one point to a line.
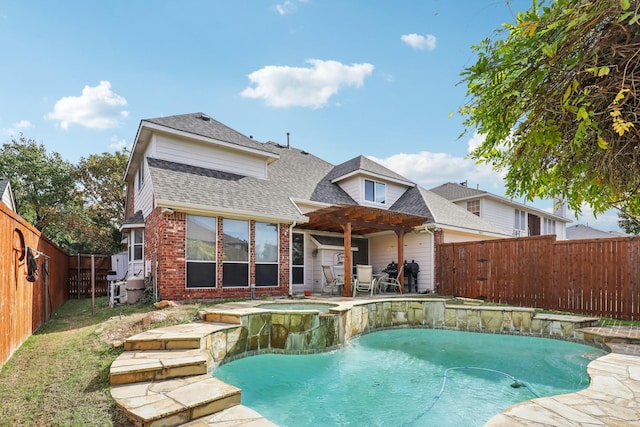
[611, 398]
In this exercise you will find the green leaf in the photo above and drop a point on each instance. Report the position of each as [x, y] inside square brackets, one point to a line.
[602, 144]
[625, 4]
[582, 114]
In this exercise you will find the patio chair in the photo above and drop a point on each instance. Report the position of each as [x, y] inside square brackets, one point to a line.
[331, 282]
[364, 279]
[391, 283]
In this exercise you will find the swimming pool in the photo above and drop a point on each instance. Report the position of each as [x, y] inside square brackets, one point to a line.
[409, 377]
[321, 307]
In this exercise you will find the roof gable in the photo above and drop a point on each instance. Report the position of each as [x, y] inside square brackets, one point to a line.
[456, 192]
[452, 191]
[366, 166]
[199, 124]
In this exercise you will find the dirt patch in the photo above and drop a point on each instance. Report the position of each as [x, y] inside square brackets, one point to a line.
[117, 329]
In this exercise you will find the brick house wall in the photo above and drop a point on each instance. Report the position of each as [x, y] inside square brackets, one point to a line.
[130, 201]
[165, 237]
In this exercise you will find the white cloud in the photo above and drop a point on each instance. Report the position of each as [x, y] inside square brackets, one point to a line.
[420, 42]
[475, 141]
[606, 221]
[18, 127]
[118, 144]
[97, 108]
[282, 86]
[288, 6]
[285, 7]
[432, 169]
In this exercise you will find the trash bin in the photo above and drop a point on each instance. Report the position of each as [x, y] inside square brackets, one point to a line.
[135, 289]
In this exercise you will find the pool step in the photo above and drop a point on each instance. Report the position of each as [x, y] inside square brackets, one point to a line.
[138, 366]
[611, 334]
[176, 337]
[176, 401]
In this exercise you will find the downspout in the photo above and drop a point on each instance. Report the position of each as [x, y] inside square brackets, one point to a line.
[293, 224]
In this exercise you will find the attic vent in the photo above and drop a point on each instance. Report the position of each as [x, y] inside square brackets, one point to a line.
[203, 117]
[303, 152]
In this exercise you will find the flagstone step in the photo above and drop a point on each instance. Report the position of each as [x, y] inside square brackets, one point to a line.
[176, 337]
[175, 401]
[611, 334]
[238, 415]
[138, 366]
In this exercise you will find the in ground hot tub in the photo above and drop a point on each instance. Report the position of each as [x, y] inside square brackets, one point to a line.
[297, 306]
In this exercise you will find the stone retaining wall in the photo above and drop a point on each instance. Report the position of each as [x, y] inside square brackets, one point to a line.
[308, 331]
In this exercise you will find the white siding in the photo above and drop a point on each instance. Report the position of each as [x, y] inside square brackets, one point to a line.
[503, 216]
[143, 198]
[394, 192]
[418, 247]
[6, 199]
[497, 214]
[354, 187]
[207, 156]
[451, 236]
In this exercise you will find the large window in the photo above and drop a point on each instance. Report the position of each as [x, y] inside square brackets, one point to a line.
[201, 252]
[473, 206]
[375, 191]
[297, 259]
[235, 252]
[266, 245]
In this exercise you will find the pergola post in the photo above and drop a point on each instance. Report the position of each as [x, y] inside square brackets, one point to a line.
[347, 259]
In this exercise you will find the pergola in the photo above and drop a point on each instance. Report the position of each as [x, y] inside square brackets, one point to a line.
[355, 219]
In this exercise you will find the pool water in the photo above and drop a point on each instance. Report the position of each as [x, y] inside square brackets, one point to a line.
[396, 378]
[322, 308]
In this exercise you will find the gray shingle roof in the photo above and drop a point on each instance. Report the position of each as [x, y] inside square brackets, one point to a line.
[364, 164]
[453, 191]
[419, 201]
[296, 174]
[136, 218]
[3, 185]
[580, 231]
[203, 125]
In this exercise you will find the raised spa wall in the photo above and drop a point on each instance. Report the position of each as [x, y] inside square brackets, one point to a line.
[255, 330]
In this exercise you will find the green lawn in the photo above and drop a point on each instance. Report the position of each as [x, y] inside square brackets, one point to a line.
[60, 375]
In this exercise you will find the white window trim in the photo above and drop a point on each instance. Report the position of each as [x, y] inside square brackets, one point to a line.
[375, 192]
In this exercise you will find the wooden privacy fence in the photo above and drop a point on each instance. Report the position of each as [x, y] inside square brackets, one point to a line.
[80, 275]
[25, 305]
[598, 277]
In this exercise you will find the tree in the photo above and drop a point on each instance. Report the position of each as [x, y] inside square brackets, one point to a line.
[628, 225]
[77, 207]
[42, 183]
[555, 96]
[100, 180]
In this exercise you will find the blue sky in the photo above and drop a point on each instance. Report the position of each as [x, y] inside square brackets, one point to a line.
[344, 78]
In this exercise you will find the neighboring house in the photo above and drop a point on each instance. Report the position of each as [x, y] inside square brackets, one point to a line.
[7, 194]
[580, 232]
[514, 218]
[211, 213]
